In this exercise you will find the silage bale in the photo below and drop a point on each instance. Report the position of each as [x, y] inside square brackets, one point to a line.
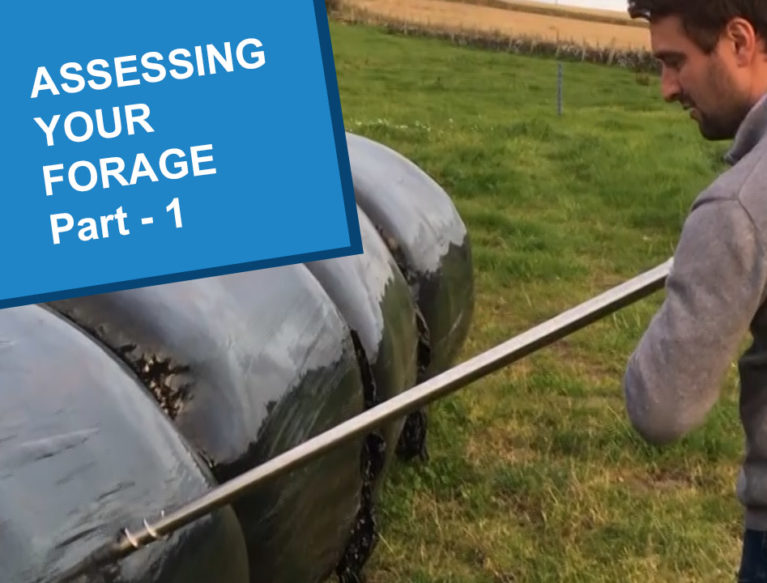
[86, 451]
[429, 241]
[374, 298]
[248, 366]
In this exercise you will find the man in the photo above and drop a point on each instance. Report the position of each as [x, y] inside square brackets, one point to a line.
[713, 55]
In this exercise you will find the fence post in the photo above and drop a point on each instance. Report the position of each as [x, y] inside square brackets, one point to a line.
[560, 89]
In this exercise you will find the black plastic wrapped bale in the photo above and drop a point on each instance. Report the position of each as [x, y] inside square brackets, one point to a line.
[248, 366]
[375, 300]
[429, 241]
[85, 452]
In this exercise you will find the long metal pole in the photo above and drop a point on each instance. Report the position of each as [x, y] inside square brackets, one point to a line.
[404, 403]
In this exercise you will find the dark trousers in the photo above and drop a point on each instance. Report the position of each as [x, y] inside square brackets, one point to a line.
[753, 564]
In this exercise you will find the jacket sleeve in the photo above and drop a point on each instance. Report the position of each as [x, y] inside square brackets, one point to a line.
[715, 287]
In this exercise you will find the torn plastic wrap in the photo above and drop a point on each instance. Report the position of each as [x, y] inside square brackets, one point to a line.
[84, 452]
[249, 365]
[375, 300]
[429, 241]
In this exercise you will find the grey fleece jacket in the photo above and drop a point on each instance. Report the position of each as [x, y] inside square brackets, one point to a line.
[715, 292]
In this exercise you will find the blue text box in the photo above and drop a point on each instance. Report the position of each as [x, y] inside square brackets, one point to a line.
[149, 142]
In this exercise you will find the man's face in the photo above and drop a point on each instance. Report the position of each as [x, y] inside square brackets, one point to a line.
[709, 85]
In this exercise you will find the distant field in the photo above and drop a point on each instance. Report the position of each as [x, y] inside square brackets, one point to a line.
[535, 474]
[572, 25]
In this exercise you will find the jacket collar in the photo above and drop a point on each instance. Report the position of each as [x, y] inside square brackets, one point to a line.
[752, 129]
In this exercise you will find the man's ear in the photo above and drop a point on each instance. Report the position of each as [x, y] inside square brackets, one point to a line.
[739, 34]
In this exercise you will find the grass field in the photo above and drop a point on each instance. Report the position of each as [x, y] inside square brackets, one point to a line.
[535, 473]
[545, 22]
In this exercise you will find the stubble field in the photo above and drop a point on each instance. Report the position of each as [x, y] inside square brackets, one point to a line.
[514, 18]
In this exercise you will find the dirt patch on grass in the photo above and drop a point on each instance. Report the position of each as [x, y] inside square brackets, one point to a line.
[451, 15]
[498, 446]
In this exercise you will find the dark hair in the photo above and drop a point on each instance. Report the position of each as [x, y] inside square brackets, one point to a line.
[704, 20]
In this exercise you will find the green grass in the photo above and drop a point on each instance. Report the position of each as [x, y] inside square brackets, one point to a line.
[535, 473]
